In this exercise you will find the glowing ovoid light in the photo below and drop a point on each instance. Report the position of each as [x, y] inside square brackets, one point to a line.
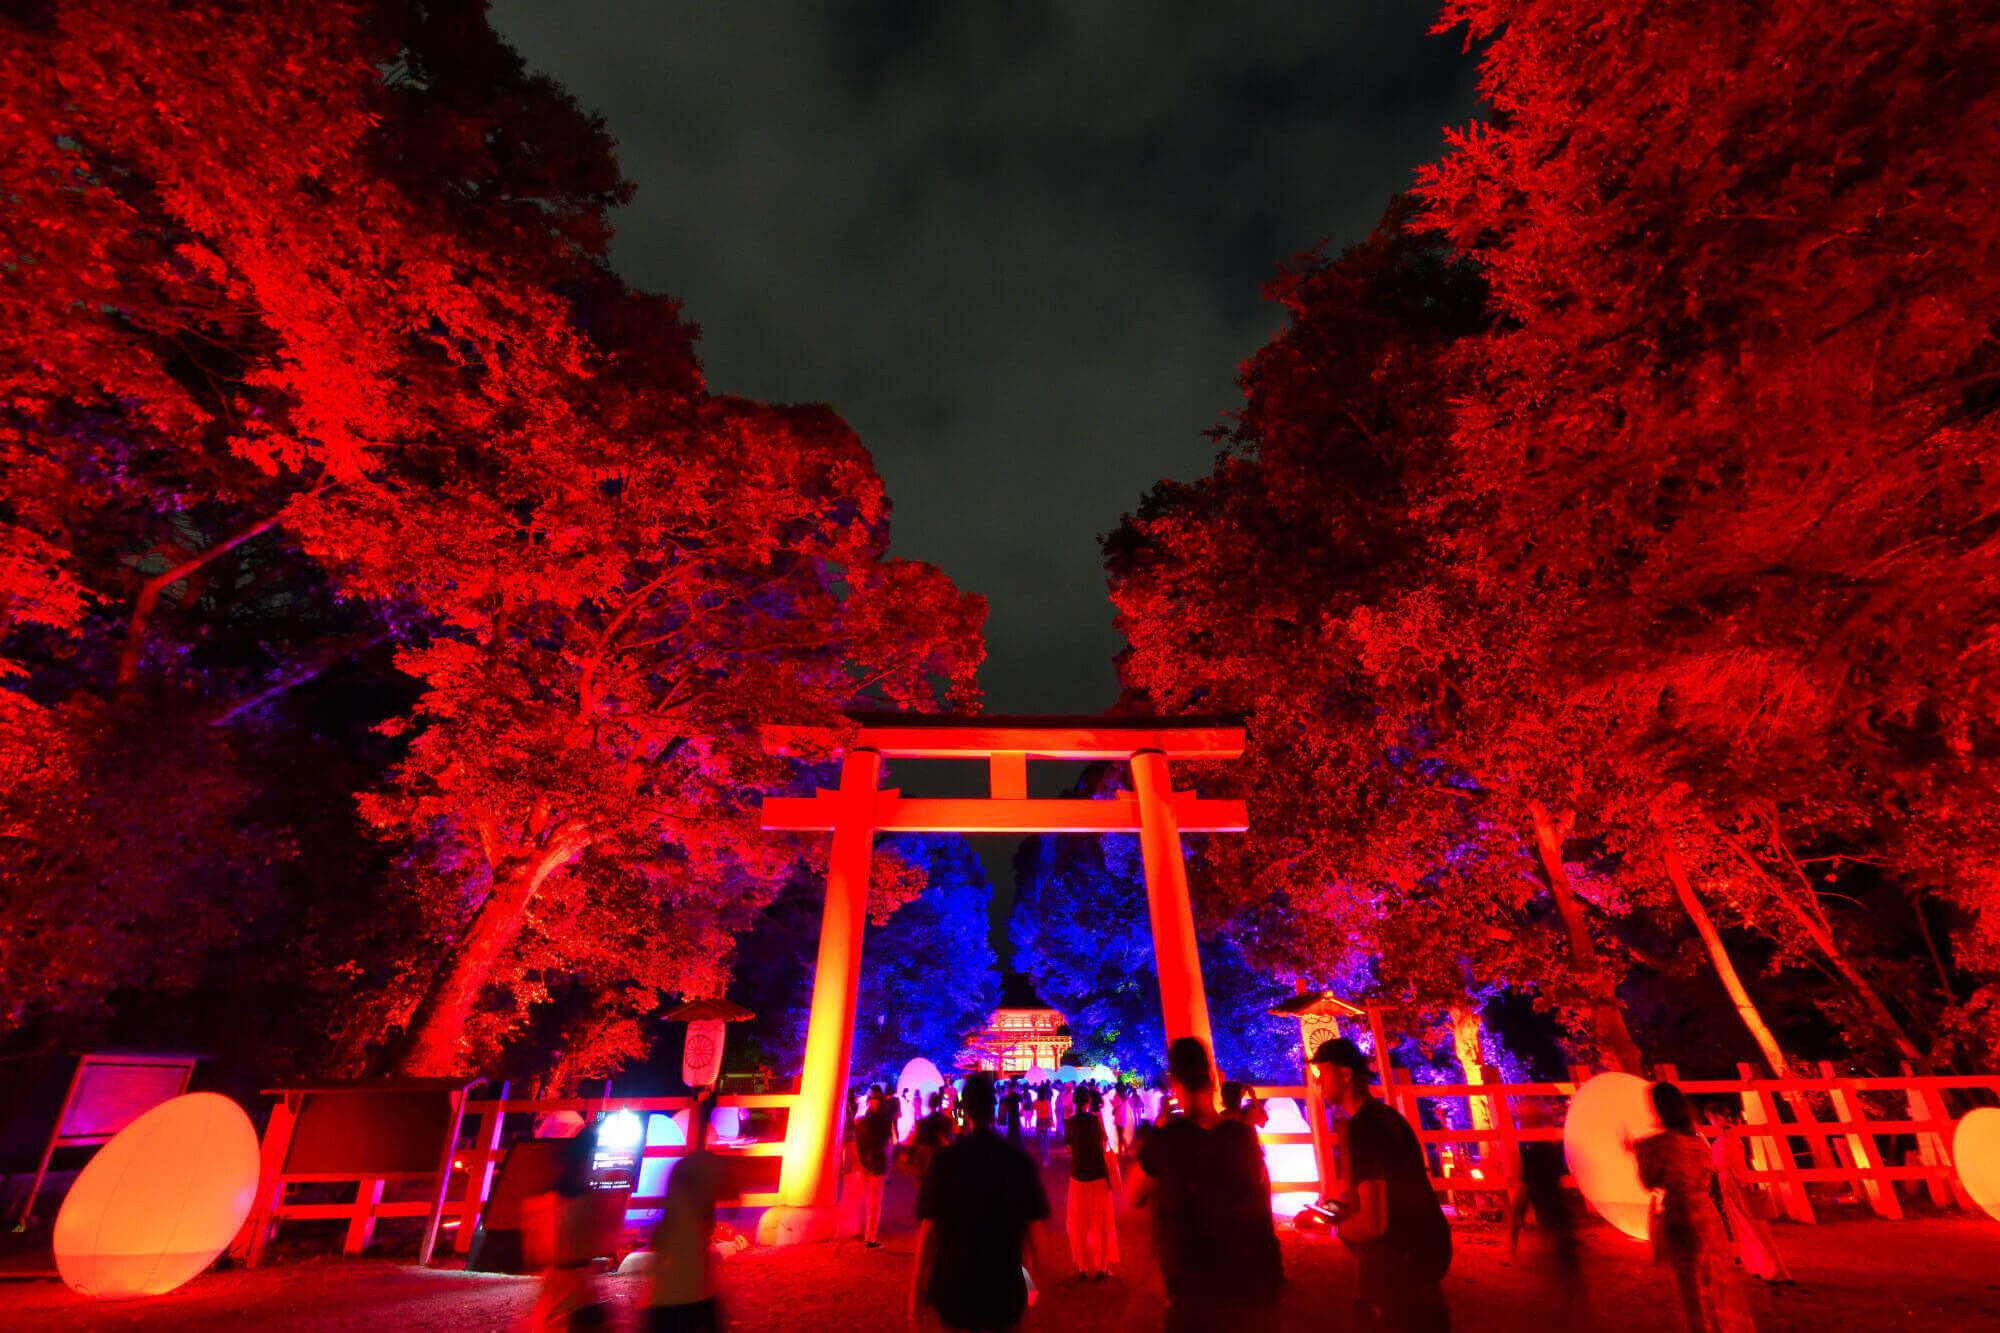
[1606, 1116]
[921, 1077]
[725, 1124]
[1288, 1161]
[159, 1202]
[1039, 1075]
[1975, 1148]
[662, 1131]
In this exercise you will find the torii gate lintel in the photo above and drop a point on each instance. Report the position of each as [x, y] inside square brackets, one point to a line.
[859, 809]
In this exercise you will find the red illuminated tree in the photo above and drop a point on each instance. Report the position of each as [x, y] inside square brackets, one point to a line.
[1306, 583]
[216, 305]
[309, 343]
[618, 635]
[1734, 430]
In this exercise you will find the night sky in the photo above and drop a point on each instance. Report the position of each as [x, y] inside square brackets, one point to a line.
[1017, 246]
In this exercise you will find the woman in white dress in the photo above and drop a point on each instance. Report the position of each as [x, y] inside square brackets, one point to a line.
[1754, 1245]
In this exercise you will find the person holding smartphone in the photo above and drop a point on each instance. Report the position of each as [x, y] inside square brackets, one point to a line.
[1391, 1221]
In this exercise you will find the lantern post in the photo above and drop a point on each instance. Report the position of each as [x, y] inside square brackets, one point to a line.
[701, 1054]
[1319, 1014]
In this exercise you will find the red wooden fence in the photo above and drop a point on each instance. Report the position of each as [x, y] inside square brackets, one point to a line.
[476, 1161]
[1830, 1138]
[1841, 1140]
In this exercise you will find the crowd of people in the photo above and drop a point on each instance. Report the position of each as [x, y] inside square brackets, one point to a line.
[1186, 1156]
[1190, 1161]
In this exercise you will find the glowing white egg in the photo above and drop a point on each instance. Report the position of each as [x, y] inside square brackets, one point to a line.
[921, 1077]
[1975, 1148]
[158, 1203]
[1288, 1161]
[1606, 1116]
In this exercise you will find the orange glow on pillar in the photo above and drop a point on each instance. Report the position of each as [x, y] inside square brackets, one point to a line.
[809, 1178]
[1183, 1001]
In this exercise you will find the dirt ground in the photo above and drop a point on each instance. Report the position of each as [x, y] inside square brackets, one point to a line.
[1941, 1272]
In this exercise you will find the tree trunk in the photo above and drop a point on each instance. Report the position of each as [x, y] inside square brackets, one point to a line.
[1930, 943]
[1820, 932]
[148, 599]
[438, 1025]
[1614, 1040]
[1466, 1032]
[1725, 967]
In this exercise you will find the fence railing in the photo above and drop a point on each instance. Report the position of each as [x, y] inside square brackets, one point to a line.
[1800, 1131]
[1829, 1137]
[478, 1160]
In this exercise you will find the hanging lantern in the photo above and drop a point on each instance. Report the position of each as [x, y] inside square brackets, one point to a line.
[701, 1058]
[708, 1021]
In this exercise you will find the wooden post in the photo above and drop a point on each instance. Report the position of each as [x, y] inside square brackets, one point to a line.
[1933, 1149]
[1323, 1149]
[479, 1173]
[811, 1170]
[435, 1217]
[361, 1222]
[1772, 1150]
[256, 1233]
[1861, 1148]
[1008, 775]
[49, 1148]
[1507, 1149]
[1183, 1001]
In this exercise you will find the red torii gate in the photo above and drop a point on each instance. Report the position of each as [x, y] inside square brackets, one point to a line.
[860, 809]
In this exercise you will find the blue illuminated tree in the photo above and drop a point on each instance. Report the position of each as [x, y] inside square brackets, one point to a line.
[1080, 929]
[928, 976]
[927, 973]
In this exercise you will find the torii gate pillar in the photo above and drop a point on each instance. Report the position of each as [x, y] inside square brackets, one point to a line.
[811, 1168]
[1183, 999]
[858, 810]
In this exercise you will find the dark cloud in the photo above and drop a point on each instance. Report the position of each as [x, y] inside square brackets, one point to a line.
[1017, 245]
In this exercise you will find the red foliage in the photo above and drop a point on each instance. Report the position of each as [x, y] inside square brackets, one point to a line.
[1703, 550]
[326, 281]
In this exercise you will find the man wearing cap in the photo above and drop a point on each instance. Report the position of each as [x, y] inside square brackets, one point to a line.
[1391, 1219]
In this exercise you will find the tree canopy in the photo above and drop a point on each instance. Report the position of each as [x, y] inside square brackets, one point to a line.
[1602, 553]
[313, 354]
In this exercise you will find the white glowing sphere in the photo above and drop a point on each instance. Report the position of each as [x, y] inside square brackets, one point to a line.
[1099, 1074]
[159, 1202]
[1038, 1075]
[662, 1131]
[1975, 1148]
[1606, 1116]
[1068, 1074]
[620, 1132]
[1285, 1116]
[922, 1077]
[1287, 1161]
[725, 1122]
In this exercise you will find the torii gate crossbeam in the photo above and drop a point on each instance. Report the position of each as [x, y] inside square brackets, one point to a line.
[859, 809]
